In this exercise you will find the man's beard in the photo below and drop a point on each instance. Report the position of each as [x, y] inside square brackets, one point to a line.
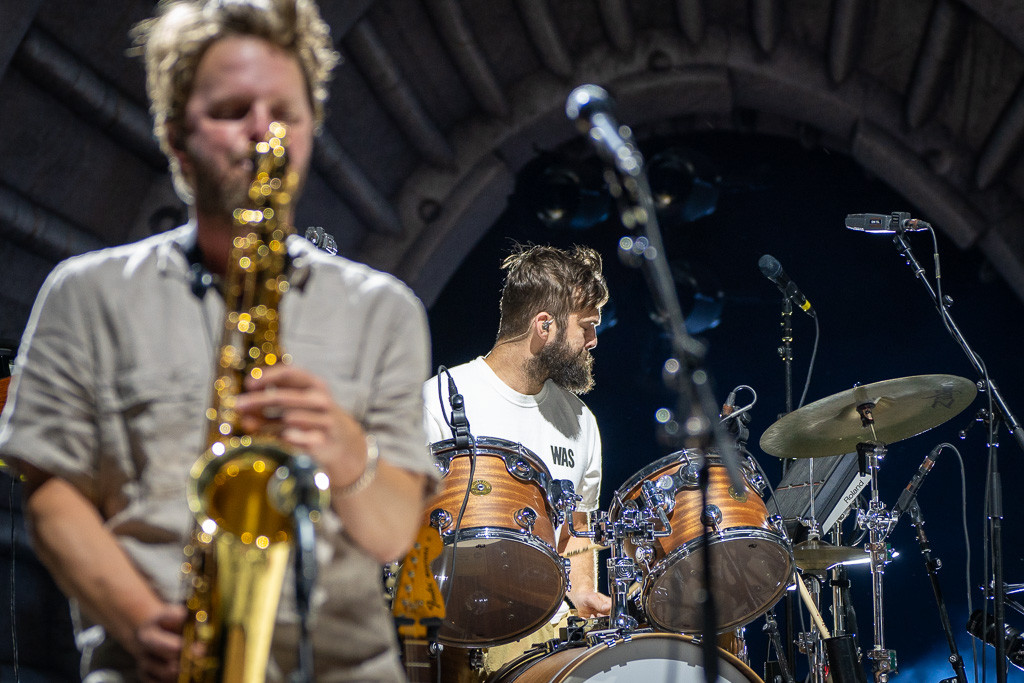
[572, 371]
[219, 192]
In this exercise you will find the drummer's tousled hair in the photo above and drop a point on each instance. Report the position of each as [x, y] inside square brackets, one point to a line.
[544, 278]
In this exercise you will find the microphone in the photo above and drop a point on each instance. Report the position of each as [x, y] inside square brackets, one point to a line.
[885, 224]
[591, 108]
[460, 423]
[772, 269]
[322, 239]
[909, 493]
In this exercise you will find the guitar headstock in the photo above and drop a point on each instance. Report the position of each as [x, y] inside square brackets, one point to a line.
[418, 604]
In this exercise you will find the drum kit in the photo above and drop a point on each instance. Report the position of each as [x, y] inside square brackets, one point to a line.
[499, 511]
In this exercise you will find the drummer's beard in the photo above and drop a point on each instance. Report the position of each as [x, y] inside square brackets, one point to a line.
[571, 370]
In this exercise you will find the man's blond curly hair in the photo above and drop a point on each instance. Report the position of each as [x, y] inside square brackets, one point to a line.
[175, 40]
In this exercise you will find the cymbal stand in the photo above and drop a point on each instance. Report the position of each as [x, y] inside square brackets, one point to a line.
[771, 627]
[810, 642]
[840, 584]
[878, 522]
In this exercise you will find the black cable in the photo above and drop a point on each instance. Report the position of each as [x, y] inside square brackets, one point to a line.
[810, 366]
[465, 497]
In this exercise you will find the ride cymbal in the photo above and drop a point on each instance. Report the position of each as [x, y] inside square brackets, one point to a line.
[900, 408]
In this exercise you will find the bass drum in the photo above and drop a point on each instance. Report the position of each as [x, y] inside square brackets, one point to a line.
[651, 657]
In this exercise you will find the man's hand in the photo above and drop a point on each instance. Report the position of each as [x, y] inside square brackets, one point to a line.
[157, 646]
[297, 406]
[590, 604]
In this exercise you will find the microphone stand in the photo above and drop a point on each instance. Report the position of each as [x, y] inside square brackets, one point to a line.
[697, 411]
[932, 565]
[786, 353]
[1000, 410]
[307, 499]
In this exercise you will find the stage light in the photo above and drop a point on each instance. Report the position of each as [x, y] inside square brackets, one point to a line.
[564, 193]
[683, 185]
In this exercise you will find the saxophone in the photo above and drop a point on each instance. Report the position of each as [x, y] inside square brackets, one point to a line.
[238, 491]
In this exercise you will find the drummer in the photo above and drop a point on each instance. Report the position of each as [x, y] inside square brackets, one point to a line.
[526, 390]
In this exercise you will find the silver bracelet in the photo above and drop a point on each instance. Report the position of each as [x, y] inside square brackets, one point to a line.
[366, 478]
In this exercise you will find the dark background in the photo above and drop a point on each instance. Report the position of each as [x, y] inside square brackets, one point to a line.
[877, 323]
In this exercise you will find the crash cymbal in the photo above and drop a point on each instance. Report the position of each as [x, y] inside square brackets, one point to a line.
[815, 555]
[901, 408]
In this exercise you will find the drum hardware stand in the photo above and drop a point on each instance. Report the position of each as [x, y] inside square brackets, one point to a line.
[695, 421]
[811, 642]
[933, 564]
[998, 406]
[636, 524]
[771, 627]
[878, 522]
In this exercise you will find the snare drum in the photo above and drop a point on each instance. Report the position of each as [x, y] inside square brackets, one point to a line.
[651, 657]
[507, 579]
[752, 559]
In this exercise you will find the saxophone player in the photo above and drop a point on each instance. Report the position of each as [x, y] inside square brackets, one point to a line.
[107, 410]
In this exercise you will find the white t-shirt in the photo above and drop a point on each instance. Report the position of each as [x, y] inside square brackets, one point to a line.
[554, 424]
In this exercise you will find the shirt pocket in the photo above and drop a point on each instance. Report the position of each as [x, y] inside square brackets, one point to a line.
[154, 421]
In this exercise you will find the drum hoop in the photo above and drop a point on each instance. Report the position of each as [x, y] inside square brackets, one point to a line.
[721, 537]
[503, 534]
[660, 567]
[506, 450]
[739, 532]
[691, 455]
[491, 445]
[607, 645]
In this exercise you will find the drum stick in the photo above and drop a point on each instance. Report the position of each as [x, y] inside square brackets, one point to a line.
[815, 614]
[586, 549]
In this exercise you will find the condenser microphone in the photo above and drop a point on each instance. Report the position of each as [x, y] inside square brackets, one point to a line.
[772, 269]
[591, 108]
[885, 224]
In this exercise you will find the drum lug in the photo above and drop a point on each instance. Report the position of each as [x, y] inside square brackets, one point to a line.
[443, 462]
[712, 517]
[689, 474]
[525, 518]
[777, 523]
[644, 554]
[440, 519]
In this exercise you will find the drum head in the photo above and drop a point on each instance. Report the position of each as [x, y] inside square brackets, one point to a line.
[750, 569]
[646, 658]
[507, 586]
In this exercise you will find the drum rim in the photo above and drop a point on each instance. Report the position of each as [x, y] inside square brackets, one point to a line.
[489, 444]
[627, 487]
[658, 570]
[592, 650]
[503, 534]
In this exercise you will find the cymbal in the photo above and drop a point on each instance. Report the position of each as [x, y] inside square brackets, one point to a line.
[816, 556]
[901, 408]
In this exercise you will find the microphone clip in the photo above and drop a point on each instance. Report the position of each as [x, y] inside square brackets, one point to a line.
[460, 424]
